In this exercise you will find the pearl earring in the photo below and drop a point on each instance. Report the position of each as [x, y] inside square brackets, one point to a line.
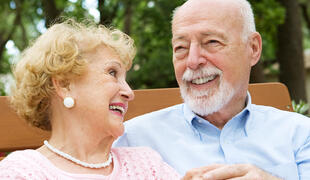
[68, 102]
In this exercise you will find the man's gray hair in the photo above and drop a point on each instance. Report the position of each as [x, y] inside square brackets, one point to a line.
[246, 13]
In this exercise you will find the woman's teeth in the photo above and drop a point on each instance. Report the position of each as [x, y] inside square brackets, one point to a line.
[117, 108]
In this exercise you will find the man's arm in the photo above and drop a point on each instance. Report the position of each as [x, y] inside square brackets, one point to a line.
[303, 160]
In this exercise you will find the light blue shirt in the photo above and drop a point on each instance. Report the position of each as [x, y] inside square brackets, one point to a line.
[273, 140]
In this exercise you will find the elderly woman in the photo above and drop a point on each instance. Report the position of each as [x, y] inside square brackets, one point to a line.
[71, 81]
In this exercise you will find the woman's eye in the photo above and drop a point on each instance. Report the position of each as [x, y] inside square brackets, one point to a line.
[112, 72]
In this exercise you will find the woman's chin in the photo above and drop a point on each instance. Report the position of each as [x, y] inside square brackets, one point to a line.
[117, 132]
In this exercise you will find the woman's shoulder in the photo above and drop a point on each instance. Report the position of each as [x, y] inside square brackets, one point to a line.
[26, 164]
[18, 158]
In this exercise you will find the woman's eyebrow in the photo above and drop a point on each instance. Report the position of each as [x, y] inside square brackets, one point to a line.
[114, 62]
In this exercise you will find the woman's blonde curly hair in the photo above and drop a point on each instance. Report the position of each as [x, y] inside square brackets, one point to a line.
[58, 53]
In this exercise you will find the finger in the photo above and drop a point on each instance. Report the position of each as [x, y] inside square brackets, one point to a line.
[225, 172]
[198, 172]
[191, 173]
[239, 178]
[212, 167]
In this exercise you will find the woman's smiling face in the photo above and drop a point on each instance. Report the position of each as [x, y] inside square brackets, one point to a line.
[102, 93]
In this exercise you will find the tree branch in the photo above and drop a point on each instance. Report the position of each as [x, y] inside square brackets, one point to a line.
[304, 8]
[4, 40]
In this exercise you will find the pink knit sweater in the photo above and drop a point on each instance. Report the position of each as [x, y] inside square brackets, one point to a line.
[132, 163]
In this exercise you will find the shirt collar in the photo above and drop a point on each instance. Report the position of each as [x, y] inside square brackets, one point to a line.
[249, 109]
[244, 115]
[188, 114]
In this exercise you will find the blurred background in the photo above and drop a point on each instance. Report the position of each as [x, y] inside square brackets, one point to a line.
[283, 24]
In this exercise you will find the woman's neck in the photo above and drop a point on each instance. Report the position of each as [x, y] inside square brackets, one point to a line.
[81, 141]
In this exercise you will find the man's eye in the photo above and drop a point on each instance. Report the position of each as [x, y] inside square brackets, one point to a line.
[213, 42]
[178, 48]
[112, 72]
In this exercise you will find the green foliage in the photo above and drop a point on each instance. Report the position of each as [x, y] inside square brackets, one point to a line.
[150, 28]
[301, 107]
[5, 66]
[269, 14]
[2, 91]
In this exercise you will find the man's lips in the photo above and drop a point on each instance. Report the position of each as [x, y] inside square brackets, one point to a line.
[203, 80]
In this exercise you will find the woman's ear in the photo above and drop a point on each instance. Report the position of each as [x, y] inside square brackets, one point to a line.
[61, 87]
[256, 47]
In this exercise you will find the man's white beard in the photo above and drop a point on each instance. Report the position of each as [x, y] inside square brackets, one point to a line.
[208, 101]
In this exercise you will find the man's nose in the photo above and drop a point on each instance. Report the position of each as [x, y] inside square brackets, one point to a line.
[195, 59]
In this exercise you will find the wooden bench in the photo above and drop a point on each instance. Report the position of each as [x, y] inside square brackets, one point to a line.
[15, 134]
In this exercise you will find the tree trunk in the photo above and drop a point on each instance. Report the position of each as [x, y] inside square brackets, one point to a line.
[290, 51]
[51, 13]
[101, 11]
[128, 14]
[304, 8]
[257, 73]
[107, 14]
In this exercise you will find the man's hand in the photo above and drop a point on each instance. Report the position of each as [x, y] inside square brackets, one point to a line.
[222, 172]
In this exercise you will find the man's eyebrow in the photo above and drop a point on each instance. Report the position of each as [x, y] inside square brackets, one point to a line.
[219, 34]
[216, 33]
[177, 38]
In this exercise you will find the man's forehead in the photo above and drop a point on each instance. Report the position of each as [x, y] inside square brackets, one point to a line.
[191, 18]
[204, 8]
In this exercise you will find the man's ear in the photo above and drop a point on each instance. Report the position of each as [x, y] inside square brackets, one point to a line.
[61, 87]
[256, 47]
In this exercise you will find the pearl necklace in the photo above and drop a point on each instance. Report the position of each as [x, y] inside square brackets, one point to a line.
[81, 163]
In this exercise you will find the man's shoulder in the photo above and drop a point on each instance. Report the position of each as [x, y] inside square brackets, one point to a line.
[156, 116]
[276, 114]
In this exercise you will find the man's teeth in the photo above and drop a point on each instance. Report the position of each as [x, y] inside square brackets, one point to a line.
[203, 80]
[118, 108]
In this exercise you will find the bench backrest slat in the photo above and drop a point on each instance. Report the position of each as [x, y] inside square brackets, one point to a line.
[16, 134]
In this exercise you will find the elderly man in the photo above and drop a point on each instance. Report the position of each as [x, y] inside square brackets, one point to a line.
[218, 129]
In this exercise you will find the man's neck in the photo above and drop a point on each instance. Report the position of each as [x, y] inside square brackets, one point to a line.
[221, 117]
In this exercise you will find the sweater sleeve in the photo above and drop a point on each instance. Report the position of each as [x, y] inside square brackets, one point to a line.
[10, 168]
[164, 170]
[23, 165]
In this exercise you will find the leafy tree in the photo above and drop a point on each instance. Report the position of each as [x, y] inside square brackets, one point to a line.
[290, 51]
[269, 14]
[148, 22]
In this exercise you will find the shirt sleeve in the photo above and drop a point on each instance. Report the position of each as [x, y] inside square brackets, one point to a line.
[303, 160]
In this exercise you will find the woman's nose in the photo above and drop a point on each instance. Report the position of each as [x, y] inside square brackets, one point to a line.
[127, 92]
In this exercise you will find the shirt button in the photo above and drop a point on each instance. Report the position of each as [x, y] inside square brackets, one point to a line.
[200, 120]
